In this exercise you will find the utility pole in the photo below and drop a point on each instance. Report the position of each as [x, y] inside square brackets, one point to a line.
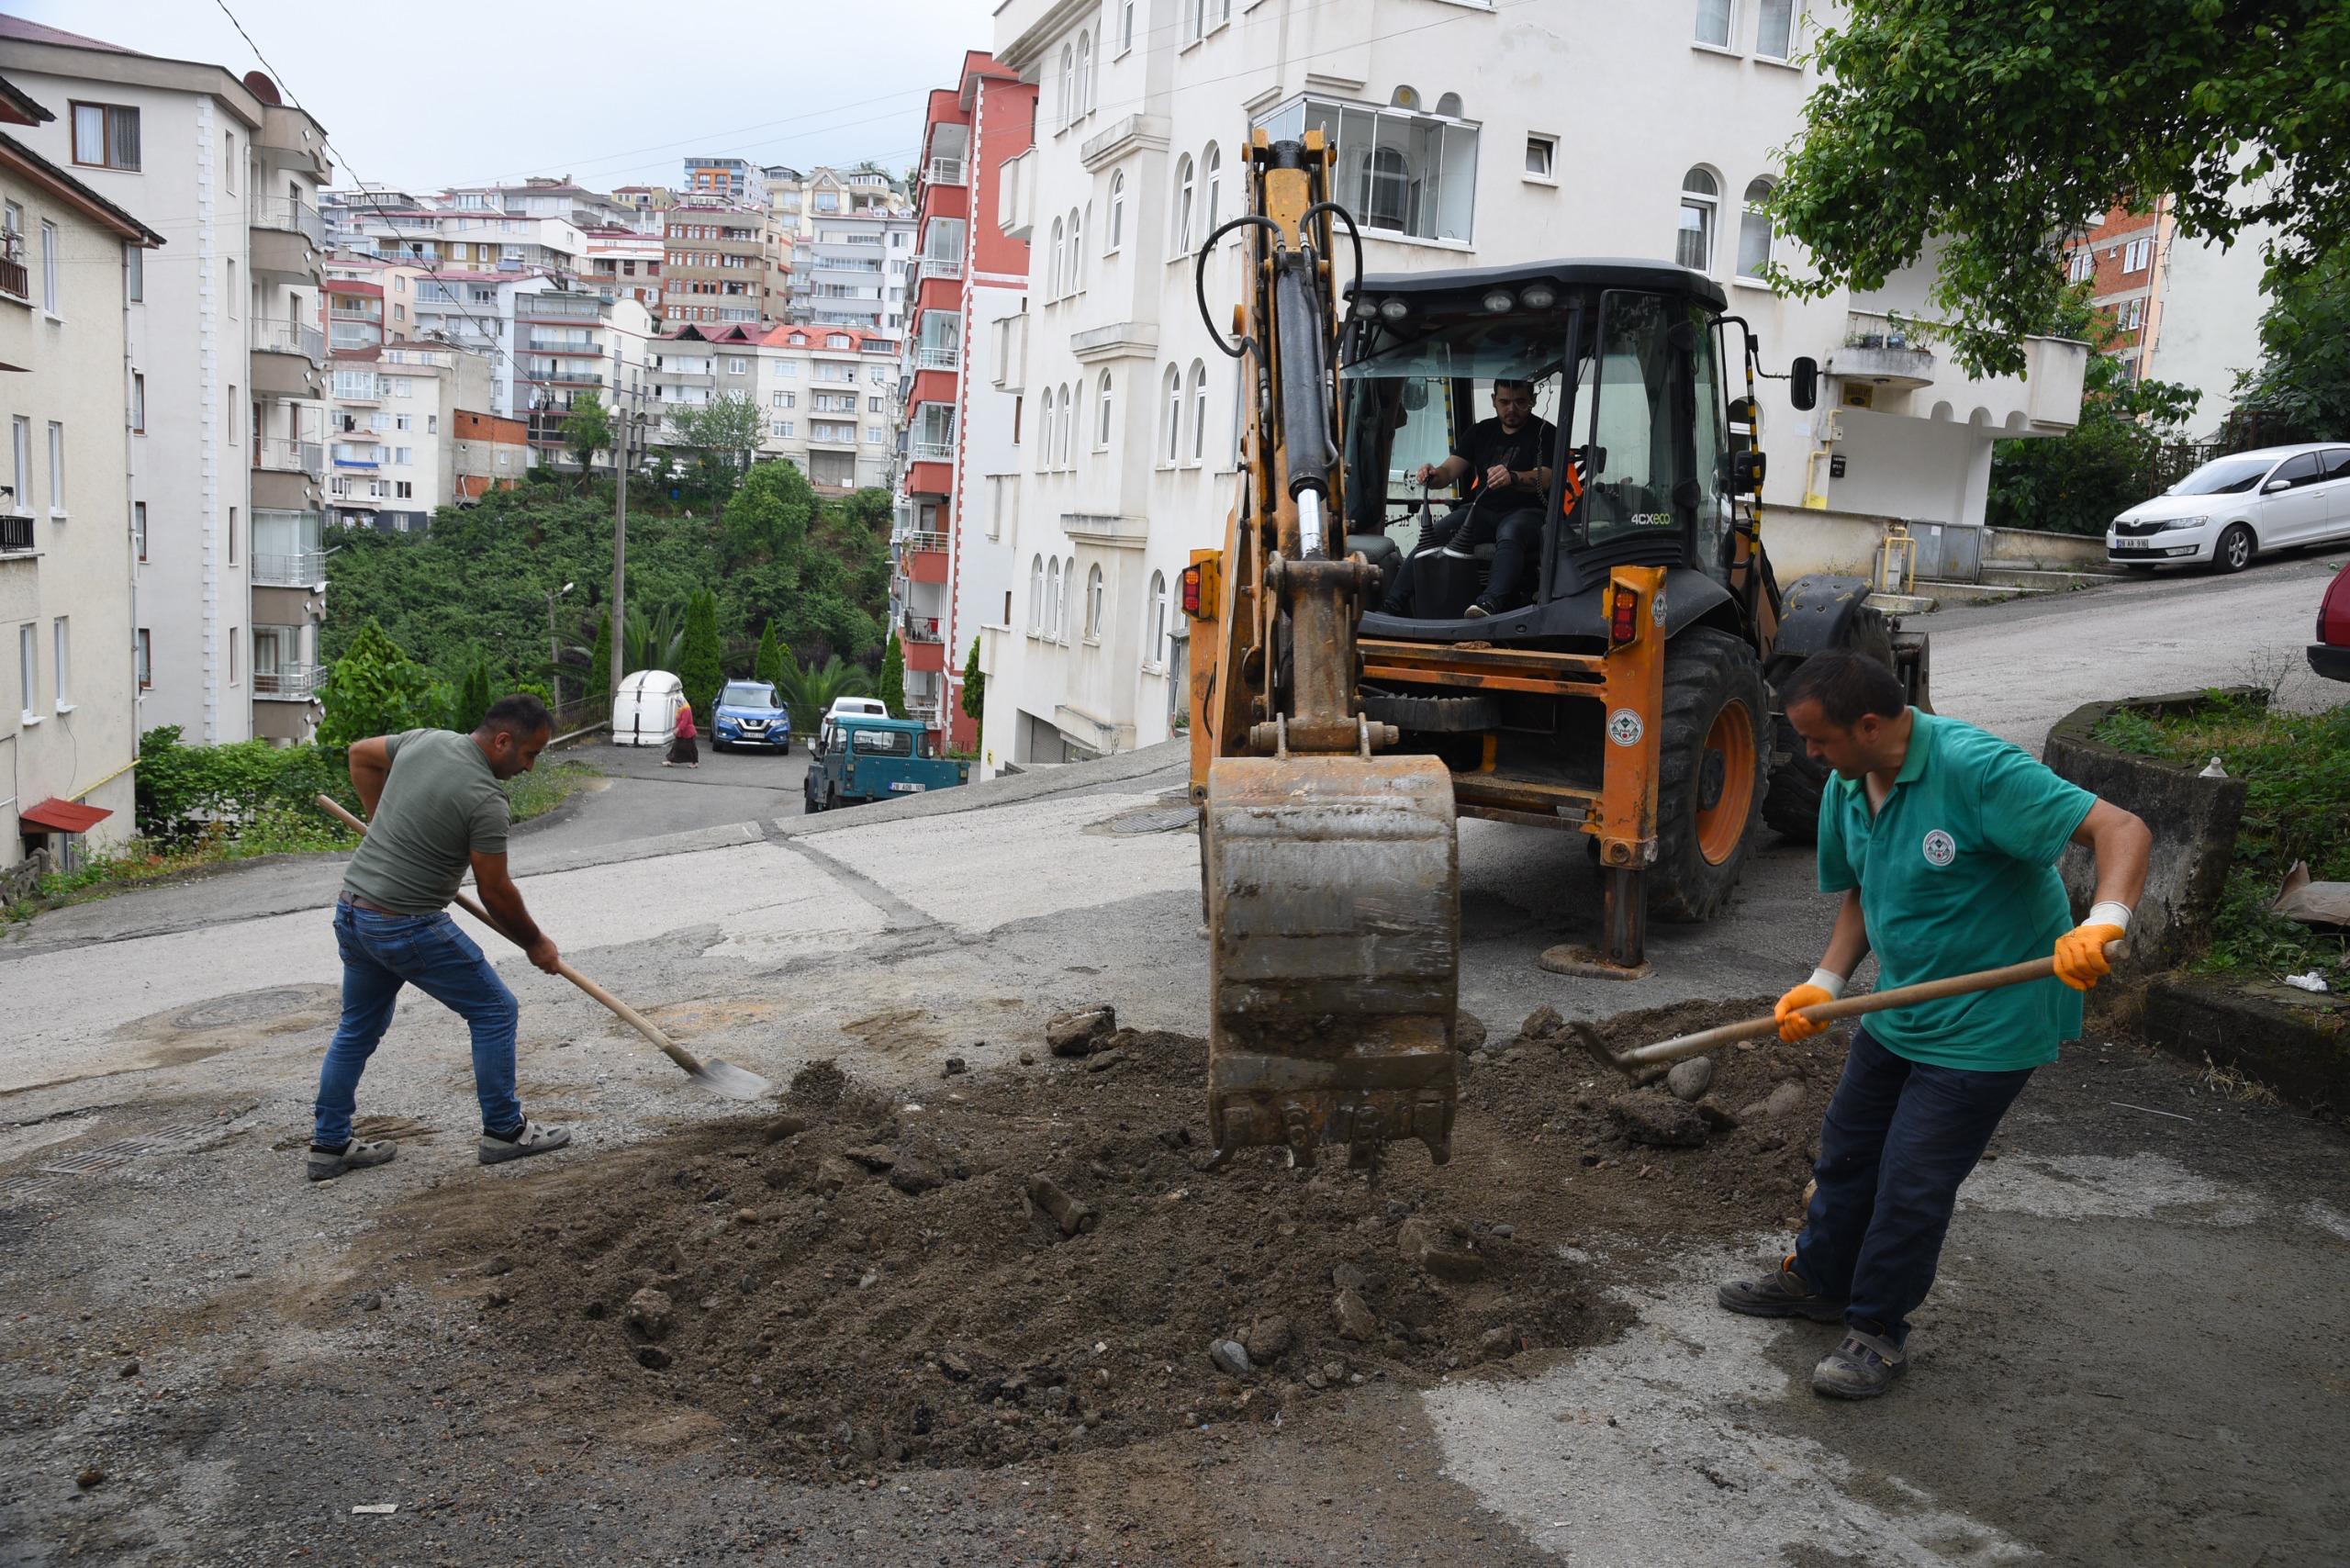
[619, 547]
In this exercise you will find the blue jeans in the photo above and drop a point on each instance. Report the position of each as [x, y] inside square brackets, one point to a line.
[380, 954]
[1899, 1137]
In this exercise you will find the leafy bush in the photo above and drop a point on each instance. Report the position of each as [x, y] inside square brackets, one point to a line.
[185, 792]
[376, 690]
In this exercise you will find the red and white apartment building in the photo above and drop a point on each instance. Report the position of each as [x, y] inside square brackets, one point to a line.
[960, 482]
[2182, 309]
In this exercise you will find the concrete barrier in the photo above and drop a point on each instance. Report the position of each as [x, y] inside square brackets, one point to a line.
[2296, 1043]
[2193, 819]
[2045, 552]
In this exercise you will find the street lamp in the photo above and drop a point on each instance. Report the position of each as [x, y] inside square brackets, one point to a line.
[554, 646]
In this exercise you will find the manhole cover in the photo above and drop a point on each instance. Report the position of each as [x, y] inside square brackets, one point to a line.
[247, 1007]
[1167, 819]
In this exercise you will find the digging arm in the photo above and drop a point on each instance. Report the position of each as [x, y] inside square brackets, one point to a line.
[503, 899]
[1848, 942]
[2123, 844]
[370, 764]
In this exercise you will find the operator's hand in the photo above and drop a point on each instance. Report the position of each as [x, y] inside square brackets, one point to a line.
[1427, 473]
[542, 954]
[1793, 1024]
[2080, 954]
[1498, 477]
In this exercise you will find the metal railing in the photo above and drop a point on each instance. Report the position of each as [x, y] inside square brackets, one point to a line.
[560, 375]
[348, 313]
[934, 452]
[944, 172]
[363, 387]
[272, 336]
[15, 533]
[303, 569]
[920, 629]
[291, 216]
[941, 266]
[938, 359]
[582, 348]
[288, 683]
[542, 306]
[284, 454]
[917, 540]
[14, 279]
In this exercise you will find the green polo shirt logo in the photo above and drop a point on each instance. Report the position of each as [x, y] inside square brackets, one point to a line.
[1957, 872]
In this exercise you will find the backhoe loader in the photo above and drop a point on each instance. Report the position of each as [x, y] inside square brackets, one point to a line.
[1621, 688]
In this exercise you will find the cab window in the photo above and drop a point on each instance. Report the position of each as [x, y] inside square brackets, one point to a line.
[880, 743]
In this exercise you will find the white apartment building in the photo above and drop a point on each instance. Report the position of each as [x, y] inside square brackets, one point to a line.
[542, 197]
[392, 433]
[1459, 144]
[228, 351]
[854, 269]
[546, 342]
[73, 659]
[623, 264]
[340, 210]
[827, 395]
[462, 240]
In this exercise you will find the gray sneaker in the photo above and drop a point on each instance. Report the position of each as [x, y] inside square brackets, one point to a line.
[1780, 1293]
[534, 1139]
[1862, 1367]
[356, 1155]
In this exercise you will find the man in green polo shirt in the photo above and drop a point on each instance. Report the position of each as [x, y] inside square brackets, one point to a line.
[1942, 842]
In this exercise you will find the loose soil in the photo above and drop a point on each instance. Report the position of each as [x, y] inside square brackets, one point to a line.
[861, 1283]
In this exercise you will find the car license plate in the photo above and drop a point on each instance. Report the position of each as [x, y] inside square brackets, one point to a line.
[2125, 544]
[907, 788]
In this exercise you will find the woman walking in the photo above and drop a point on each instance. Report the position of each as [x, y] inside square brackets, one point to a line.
[681, 743]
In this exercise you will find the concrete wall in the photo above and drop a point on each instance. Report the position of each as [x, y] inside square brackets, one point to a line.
[2045, 552]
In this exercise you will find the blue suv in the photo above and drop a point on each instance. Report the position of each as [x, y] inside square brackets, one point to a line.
[750, 714]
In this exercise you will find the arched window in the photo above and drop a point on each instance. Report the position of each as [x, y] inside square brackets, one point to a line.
[1126, 25]
[1405, 98]
[1117, 235]
[1700, 193]
[1212, 177]
[1449, 107]
[1180, 230]
[1391, 203]
[1035, 595]
[1052, 264]
[1084, 73]
[1154, 651]
[1068, 427]
[1102, 400]
[1755, 229]
[1170, 412]
[1077, 248]
[1093, 603]
[1196, 13]
[1053, 599]
[1069, 581]
[1069, 83]
[1198, 410]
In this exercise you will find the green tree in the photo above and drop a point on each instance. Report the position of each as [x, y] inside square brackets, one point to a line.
[376, 690]
[1983, 134]
[720, 438]
[586, 431]
[893, 678]
[809, 691]
[701, 667]
[975, 686]
[652, 641]
[474, 693]
[767, 517]
[2301, 390]
[766, 664]
[599, 658]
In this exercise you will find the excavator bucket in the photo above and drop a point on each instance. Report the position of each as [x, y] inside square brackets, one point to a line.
[1333, 926]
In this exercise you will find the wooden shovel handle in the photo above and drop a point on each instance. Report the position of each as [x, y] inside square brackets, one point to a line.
[643, 1025]
[1850, 1007]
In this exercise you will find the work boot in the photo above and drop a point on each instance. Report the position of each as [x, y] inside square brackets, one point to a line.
[530, 1138]
[326, 1164]
[1780, 1293]
[1862, 1367]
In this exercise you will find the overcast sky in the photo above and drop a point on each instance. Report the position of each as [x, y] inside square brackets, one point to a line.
[422, 94]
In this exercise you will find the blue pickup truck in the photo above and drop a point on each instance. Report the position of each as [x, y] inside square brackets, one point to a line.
[861, 757]
[750, 714]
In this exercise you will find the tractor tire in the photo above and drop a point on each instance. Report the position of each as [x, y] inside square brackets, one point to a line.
[1713, 763]
[1798, 779]
[1433, 715]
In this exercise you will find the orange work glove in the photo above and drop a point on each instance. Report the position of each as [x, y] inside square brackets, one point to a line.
[2080, 954]
[1793, 1025]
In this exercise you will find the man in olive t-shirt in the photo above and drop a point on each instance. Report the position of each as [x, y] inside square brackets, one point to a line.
[1942, 842]
[435, 809]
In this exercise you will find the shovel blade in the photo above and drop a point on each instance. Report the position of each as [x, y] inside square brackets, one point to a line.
[735, 1082]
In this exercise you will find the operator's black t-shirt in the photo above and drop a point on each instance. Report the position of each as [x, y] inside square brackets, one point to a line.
[1488, 443]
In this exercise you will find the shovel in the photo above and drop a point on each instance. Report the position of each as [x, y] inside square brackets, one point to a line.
[1824, 1013]
[719, 1077]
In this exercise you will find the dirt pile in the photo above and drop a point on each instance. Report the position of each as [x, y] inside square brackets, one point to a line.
[1031, 1261]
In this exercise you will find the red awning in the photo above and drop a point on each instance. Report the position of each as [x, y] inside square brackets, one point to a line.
[64, 817]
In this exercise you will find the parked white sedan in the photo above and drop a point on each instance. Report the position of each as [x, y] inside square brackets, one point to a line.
[2233, 508]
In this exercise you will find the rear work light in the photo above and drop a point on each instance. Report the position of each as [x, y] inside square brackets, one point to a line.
[1191, 590]
[1624, 617]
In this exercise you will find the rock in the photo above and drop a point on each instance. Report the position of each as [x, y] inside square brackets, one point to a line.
[1346, 1277]
[1690, 1079]
[1495, 1344]
[782, 1127]
[1080, 1032]
[912, 1176]
[873, 1157]
[1269, 1339]
[1657, 1119]
[1503, 1232]
[1354, 1317]
[1468, 1031]
[129, 1369]
[651, 1312]
[89, 1478]
[956, 1369]
[1230, 1358]
[1543, 1024]
[369, 1301]
[1440, 1247]
[955, 1068]
[1104, 1061]
[746, 1216]
[1315, 1380]
[833, 1173]
[1027, 1059]
[1784, 1101]
[1719, 1117]
[652, 1358]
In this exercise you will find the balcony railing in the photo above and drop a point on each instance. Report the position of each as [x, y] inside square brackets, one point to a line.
[306, 569]
[288, 683]
[355, 335]
[917, 540]
[362, 389]
[941, 266]
[546, 306]
[938, 359]
[291, 216]
[944, 172]
[14, 279]
[15, 533]
[290, 336]
[920, 629]
[561, 375]
[578, 347]
[933, 451]
[352, 313]
[282, 454]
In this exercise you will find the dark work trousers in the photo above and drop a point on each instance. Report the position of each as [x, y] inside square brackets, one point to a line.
[1515, 535]
[1899, 1137]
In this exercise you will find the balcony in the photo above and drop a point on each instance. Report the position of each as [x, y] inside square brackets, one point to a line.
[585, 348]
[941, 266]
[289, 337]
[306, 568]
[15, 533]
[558, 307]
[944, 172]
[288, 683]
[351, 335]
[920, 629]
[284, 454]
[932, 451]
[354, 313]
[363, 387]
[284, 215]
[683, 378]
[1015, 196]
[938, 359]
[559, 376]
[14, 279]
[915, 539]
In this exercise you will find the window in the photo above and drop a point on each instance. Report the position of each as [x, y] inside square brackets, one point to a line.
[105, 136]
[228, 161]
[232, 655]
[873, 435]
[138, 528]
[29, 672]
[400, 421]
[734, 367]
[1198, 410]
[134, 263]
[873, 405]
[1540, 152]
[2130, 316]
[1125, 25]
[1153, 650]
[1053, 598]
[1754, 229]
[1074, 281]
[433, 424]
[1069, 83]
[1775, 30]
[1069, 586]
[142, 658]
[1170, 414]
[233, 533]
[1212, 177]
[1068, 427]
[1713, 22]
[1053, 264]
[56, 469]
[1118, 234]
[1194, 19]
[2137, 255]
[1093, 605]
[2081, 265]
[20, 498]
[1180, 230]
[1408, 172]
[785, 428]
[1084, 75]
[402, 456]
[60, 638]
[1699, 196]
[138, 404]
[1035, 595]
[48, 268]
[1102, 402]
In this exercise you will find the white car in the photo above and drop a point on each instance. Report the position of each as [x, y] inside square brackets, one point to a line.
[851, 706]
[2233, 508]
